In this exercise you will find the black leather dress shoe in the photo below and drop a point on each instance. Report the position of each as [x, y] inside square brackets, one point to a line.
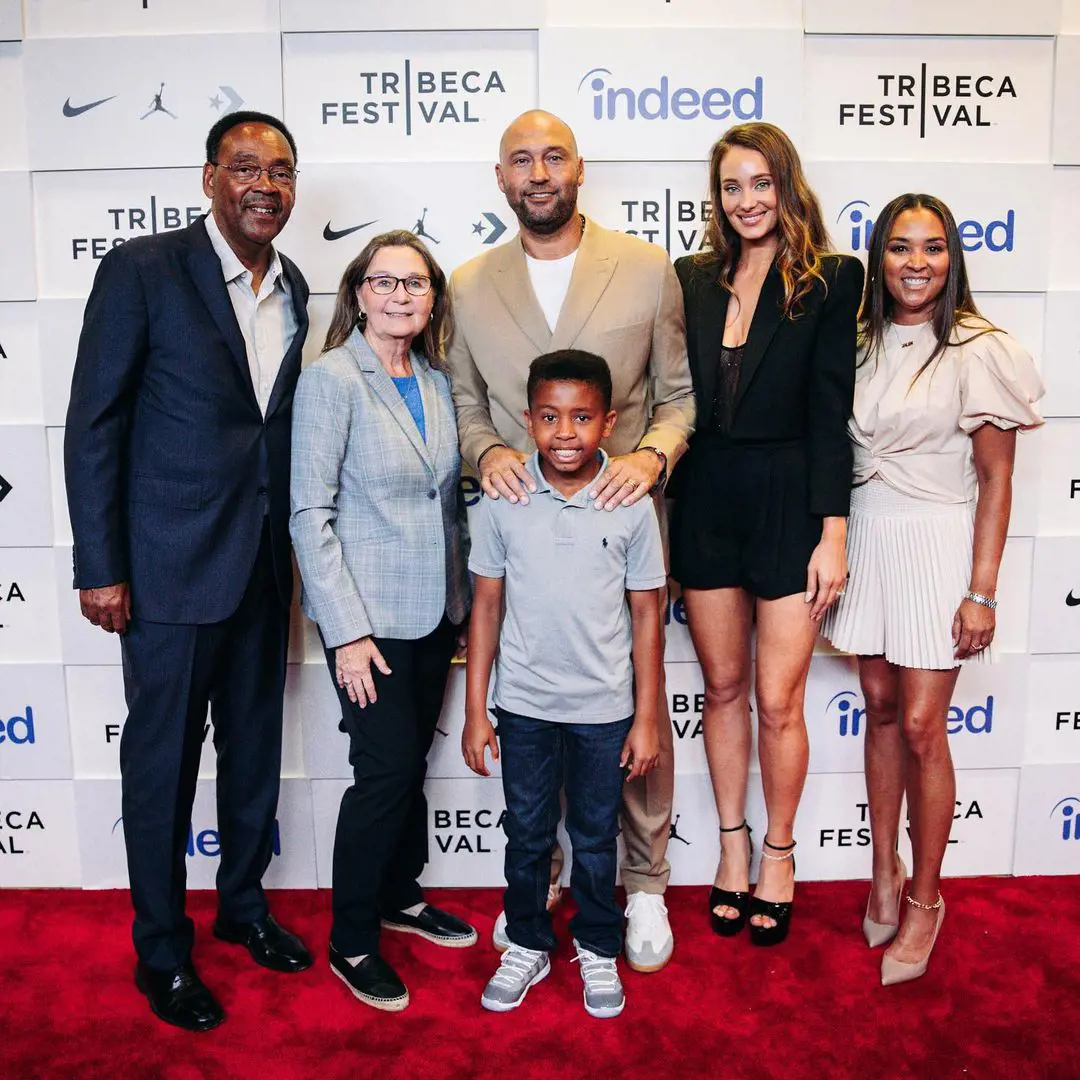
[373, 981]
[438, 926]
[270, 945]
[179, 997]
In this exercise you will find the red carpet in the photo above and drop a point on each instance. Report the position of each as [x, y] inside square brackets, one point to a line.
[1001, 999]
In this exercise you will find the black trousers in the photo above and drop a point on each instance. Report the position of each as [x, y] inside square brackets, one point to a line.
[171, 674]
[381, 845]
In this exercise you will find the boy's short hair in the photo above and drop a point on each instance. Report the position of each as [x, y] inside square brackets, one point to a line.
[571, 365]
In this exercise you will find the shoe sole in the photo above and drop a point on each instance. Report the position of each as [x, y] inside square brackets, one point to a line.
[509, 1006]
[647, 969]
[605, 1012]
[172, 1023]
[382, 1004]
[449, 943]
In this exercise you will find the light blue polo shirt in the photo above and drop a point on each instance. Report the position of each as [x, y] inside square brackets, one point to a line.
[564, 647]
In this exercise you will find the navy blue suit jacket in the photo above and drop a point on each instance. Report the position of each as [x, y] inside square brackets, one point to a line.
[169, 463]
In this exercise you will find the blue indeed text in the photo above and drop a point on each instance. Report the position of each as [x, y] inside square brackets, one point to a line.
[662, 102]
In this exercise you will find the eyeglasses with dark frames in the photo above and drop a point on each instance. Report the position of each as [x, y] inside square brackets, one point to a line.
[385, 284]
[247, 173]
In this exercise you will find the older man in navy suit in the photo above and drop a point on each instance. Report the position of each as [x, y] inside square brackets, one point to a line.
[177, 462]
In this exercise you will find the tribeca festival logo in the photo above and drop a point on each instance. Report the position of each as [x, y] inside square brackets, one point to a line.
[206, 843]
[466, 830]
[12, 824]
[995, 236]
[10, 593]
[847, 711]
[677, 225]
[661, 102]
[123, 223]
[929, 99]
[1068, 817]
[413, 97]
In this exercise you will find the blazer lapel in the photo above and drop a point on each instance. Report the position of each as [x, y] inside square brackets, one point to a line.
[384, 389]
[593, 269]
[205, 269]
[511, 280]
[710, 337]
[767, 317]
[290, 365]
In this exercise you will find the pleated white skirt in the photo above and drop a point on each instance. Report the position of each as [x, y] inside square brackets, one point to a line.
[909, 566]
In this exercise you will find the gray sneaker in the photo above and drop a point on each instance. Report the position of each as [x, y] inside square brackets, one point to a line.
[518, 970]
[604, 995]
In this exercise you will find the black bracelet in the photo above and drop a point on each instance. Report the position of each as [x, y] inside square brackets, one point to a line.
[493, 446]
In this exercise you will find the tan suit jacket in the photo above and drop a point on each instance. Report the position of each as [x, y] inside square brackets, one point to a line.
[624, 303]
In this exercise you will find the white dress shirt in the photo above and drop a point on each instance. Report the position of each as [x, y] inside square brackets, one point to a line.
[267, 321]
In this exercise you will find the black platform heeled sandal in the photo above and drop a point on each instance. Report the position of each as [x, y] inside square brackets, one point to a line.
[729, 898]
[777, 910]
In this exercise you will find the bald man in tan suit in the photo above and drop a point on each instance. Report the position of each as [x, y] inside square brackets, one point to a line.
[565, 282]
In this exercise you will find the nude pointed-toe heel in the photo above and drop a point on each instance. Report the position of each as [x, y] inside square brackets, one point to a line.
[877, 933]
[895, 971]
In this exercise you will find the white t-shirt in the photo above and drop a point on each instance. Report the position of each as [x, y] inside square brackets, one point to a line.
[550, 281]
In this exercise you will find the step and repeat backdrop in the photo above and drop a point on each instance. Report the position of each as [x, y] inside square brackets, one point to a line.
[397, 109]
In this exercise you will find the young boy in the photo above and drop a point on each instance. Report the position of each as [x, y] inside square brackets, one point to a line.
[579, 645]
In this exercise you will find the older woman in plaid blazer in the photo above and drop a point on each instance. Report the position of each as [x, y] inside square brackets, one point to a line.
[376, 526]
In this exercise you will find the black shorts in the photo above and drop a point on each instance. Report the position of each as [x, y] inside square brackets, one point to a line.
[741, 517]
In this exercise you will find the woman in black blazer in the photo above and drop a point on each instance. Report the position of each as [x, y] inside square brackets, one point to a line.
[759, 526]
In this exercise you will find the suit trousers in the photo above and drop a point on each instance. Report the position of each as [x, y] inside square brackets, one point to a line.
[172, 674]
[381, 844]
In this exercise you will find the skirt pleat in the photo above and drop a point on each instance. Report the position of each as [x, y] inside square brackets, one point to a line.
[909, 565]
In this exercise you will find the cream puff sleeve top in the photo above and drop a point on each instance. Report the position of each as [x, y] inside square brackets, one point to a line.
[917, 437]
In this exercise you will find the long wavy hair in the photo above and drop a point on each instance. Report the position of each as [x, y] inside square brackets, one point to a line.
[802, 233]
[955, 306]
[440, 328]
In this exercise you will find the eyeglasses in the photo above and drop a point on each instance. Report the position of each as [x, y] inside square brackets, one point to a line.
[385, 284]
[280, 175]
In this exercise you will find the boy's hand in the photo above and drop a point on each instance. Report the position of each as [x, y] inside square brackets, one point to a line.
[478, 736]
[641, 749]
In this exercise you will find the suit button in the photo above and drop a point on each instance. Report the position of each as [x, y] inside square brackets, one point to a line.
[261, 491]
[432, 494]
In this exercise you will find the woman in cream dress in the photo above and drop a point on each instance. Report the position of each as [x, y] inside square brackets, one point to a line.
[939, 396]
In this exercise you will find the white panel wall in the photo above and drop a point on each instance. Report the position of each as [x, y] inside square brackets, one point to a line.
[398, 112]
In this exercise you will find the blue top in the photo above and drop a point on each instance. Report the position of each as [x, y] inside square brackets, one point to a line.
[409, 390]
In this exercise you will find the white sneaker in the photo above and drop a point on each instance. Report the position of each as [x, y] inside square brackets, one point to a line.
[649, 941]
[604, 995]
[498, 935]
[519, 969]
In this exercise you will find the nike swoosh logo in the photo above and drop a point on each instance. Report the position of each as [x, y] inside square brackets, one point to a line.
[337, 234]
[75, 110]
[1072, 601]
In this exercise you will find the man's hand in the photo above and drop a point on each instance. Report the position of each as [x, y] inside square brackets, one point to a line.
[503, 472]
[628, 478]
[353, 668]
[641, 749]
[477, 736]
[108, 607]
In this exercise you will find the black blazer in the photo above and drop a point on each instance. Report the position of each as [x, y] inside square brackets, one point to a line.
[170, 466]
[797, 377]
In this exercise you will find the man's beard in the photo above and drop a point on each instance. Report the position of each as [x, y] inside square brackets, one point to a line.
[552, 217]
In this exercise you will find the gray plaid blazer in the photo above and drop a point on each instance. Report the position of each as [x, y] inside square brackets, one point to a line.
[376, 510]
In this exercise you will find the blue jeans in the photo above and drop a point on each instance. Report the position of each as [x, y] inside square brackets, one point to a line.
[538, 758]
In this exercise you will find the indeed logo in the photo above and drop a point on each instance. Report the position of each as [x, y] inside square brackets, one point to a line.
[207, 842]
[1065, 810]
[18, 730]
[994, 236]
[663, 103]
[848, 711]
